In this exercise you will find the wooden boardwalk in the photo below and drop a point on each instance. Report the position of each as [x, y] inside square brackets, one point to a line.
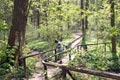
[52, 71]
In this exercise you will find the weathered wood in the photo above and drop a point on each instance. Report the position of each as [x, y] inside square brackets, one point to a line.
[59, 53]
[45, 69]
[63, 73]
[69, 73]
[105, 47]
[69, 56]
[92, 44]
[86, 71]
[31, 55]
[25, 68]
[55, 55]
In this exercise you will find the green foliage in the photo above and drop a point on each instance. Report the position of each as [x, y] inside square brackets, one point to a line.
[5, 9]
[95, 59]
[38, 45]
[54, 20]
[3, 26]
[31, 65]
[6, 59]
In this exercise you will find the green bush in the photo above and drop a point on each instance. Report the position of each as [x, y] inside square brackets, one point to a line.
[96, 59]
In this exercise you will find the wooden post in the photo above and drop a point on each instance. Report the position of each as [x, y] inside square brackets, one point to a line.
[105, 47]
[55, 55]
[77, 48]
[69, 55]
[45, 69]
[25, 69]
[63, 73]
[70, 75]
[85, 47]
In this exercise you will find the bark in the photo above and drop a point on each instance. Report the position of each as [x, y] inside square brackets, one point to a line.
[83, 26]
[38, 21]
[38, 18]
[86, 18]
[60, 17]
[82, 20]
[113, 40]
[18, 28]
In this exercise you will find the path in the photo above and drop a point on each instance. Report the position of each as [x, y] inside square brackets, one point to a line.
[52, 71]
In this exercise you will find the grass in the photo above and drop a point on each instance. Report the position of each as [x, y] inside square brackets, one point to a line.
[38, 45]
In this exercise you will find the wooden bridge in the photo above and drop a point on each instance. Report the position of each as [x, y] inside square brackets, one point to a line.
[63, 67]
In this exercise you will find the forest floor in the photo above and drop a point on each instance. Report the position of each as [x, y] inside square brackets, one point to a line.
[38, 74]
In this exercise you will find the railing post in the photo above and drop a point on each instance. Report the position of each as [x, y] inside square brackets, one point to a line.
[77, 48]
[70, 56]
[70, 75]
[55, 55]
[25, 69]
[105, 47]
[45, 69]
[63, 73]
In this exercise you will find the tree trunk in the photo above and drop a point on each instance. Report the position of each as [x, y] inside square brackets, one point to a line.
[115, 65]
[18, 28]
[38, 21]
[113, 40]
[86, 17]
[38, 18]
[82, 20]
[83, 26]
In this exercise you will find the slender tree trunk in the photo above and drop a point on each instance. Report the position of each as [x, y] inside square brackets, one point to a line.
[115, 65]
[60, 17]
[113, 40]
[38, 18]
[82, 20]
[38, 21]
[86, 18]
[18, 28]
[83, 26]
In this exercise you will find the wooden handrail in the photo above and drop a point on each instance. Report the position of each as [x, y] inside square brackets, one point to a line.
[23, 59]
[31, 55]
[76, 39]
[58, 54]
[92, 44]
[86, 71]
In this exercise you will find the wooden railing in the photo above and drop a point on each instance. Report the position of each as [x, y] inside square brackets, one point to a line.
[23, 59]
[66, 69]
[82, 45]
[46, 63]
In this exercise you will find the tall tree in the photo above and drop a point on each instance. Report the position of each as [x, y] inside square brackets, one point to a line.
[60, 18]
[113, 40]
[86, 17]
[82, 20]
[18, 28]
[83, 25]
